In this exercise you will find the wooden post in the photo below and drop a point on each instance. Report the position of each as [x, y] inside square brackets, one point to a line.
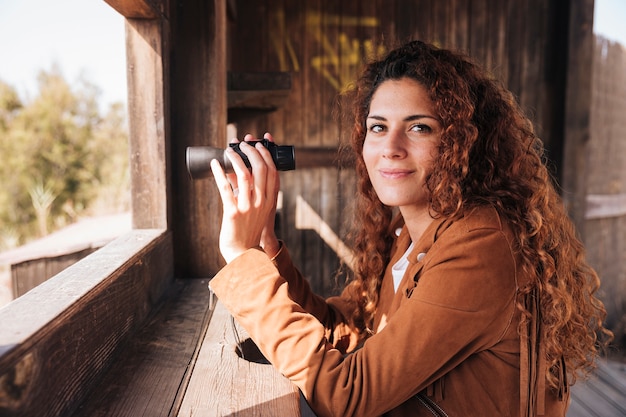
[148, 121]
[198, 112]
[578, 109]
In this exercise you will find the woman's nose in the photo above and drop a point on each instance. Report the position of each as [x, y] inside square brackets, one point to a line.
[394, 146]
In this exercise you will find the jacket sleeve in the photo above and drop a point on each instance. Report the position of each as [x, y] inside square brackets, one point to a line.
[336, 313]
[456, 309]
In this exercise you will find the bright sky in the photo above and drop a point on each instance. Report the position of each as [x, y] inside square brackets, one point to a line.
[609, 17]
[80, 36]
[87, 37]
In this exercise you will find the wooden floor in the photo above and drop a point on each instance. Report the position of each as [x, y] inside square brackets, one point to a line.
[604, 395]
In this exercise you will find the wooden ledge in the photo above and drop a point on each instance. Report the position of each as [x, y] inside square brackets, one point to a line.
[150, 375]
[184, 363]
[57, 339]
[224, 384]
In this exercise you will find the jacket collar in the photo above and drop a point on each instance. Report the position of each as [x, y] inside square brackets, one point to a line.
[389, 301]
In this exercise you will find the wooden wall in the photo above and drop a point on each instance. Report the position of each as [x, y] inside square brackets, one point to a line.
[605, 226]
[323, 44]
[26, 275]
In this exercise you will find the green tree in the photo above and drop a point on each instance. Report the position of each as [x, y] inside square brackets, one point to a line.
[9, 104]
[59, 156]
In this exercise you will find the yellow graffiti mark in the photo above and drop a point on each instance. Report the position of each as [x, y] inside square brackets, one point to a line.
[341, 58]
[281, 43]
[340, 66]
[318, 19]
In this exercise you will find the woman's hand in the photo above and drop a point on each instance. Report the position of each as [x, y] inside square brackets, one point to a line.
[249, 199]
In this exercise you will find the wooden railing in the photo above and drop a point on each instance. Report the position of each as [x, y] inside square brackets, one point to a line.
[115, 334]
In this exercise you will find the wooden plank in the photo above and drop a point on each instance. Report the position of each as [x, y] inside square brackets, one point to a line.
[261, 91]
[136, 9]
[606, 181]
[224, 384]
[264, 101]
[316, 157]
[198, 109]
[577, 109]
[57, 340]
[27, 275]
[603, 206]
[150, 375]
[148, 123]
[603, 394]
[258, 81]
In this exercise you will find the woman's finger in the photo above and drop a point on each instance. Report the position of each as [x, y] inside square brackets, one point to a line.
[223, 185]
[259, 171]
[270, 172]
[244, 177]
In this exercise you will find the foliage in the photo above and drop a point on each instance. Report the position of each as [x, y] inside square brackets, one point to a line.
[61, 158]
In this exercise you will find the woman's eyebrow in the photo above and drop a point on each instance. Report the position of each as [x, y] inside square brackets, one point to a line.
[406, 119]
[420, 116]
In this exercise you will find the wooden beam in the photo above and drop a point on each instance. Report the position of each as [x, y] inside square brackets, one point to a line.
[148, 122]
[318, 157]
[231, 10]
[137, 9]
[603, 206]
[198, 110]
[237, 81]
[257, 92]
[578, 109]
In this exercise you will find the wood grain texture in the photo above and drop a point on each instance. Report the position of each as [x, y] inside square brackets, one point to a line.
[148, 123]
[57, 340]
[136, 9]
[149, 376]
[223, 384]
[198, 109]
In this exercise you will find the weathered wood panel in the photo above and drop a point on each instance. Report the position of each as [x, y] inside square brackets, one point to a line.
[224, 384]
[149, 377]
[323, 43]
[605, 226]
[148, 122]
[198, 110]
[27, 275]
[603, 395]
[577, 110]
[57, 340]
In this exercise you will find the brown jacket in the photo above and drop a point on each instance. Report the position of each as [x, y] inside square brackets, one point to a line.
[446, 343]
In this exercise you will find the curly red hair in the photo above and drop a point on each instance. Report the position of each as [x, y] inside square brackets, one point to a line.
[489, 154]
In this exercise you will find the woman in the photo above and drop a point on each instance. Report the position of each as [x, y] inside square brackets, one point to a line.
[470, 295]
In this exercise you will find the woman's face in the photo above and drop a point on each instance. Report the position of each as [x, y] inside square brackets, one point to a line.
[400, 146]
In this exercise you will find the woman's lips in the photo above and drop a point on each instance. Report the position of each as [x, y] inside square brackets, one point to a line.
[394, 173]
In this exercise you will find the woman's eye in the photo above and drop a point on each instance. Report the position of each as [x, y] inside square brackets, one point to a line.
[421, 128]
[376, 128]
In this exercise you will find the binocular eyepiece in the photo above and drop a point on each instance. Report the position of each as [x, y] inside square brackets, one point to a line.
[199, 158]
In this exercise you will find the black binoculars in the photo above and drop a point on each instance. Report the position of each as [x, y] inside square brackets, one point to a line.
[199, 158]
